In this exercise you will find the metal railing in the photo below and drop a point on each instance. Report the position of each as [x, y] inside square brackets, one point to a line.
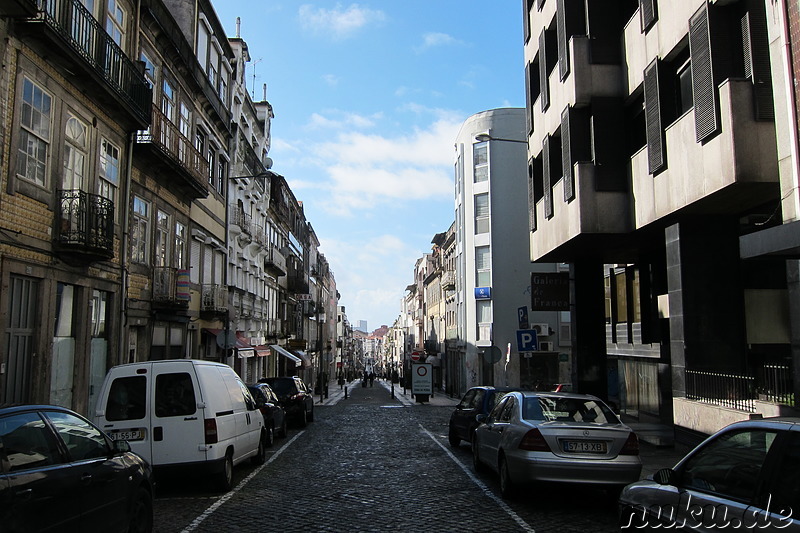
[774, 384]
[214, 298]
[87, 37]
[727, 390]
[85, 220]
[241, 219]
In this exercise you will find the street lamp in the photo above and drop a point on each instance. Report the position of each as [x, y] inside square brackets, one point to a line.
[484, 137]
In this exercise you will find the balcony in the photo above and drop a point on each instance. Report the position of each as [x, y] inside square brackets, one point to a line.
[76, 41]
[275, 262]
[84, 227]
[241, 223]
[214, 298]
[175, 154]
[449, 280]
[171, 287]
[297, 284]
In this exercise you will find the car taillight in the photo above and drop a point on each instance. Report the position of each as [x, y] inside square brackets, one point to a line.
[533, 441]
[210, 425]
[631, 446]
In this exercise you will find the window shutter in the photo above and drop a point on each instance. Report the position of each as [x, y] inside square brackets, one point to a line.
[706, 107]
[207, 265]
[531, 196]
[756, 61]
[563, 39]
[544, 88]
[194, 262]
[526, 19]
[648, 12]
[656, 157]
[528, 99]
[566, 155]
[548, 178]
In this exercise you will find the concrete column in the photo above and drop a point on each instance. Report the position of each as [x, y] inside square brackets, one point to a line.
[587, 306]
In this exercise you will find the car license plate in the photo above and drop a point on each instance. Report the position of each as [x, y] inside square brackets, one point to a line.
[127, 434]
[584, 446]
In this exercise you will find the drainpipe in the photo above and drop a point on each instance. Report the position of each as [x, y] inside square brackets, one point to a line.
[123, 254]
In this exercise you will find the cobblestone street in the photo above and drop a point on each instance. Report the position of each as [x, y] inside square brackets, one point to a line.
[371, 463]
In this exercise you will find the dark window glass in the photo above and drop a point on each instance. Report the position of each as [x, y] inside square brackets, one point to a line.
[83, 440]
[174, 395]
[467, 400]
[729, 465]
[508, 410]
[477, 400]
[127, 398]
[567, 410]
[785, 489]
[27, 443]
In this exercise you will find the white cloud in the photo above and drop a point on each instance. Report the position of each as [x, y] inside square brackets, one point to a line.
[434, 39]
[340, 120]
[339, 23]
[331, 79]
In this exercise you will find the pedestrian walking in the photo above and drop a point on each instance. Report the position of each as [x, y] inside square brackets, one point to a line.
[371, 378]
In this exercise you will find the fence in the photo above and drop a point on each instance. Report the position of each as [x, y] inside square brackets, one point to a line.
[727, 390]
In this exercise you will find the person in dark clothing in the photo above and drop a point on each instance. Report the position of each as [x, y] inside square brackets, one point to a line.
[371, 378]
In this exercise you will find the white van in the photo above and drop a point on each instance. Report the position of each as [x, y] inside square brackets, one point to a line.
[183, 413]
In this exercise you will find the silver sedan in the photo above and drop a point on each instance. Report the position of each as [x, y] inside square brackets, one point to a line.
[555, 437]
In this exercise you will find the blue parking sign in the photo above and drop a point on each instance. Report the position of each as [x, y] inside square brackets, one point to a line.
[527, 340]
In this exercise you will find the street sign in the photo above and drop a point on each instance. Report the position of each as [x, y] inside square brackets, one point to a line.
[492, 354]
[522, 314]
[226, 339]
[302, 297]
[421, 378]
[527, 340]
[415, 356]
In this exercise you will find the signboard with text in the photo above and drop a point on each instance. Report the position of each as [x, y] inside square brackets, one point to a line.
[421, 378]
[483, 293]
[550, 291]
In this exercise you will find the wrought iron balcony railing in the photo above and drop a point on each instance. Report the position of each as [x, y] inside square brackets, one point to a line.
[214, 298]
[171, 286]
[241, 219]
[275, 262]
[85, 224]
[179, 151]
[86, 38]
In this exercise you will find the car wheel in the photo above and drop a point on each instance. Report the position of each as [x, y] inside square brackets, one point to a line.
[142, 513]
[476, 461]
[225, 476]
[270, 437]
[283, 432]
[303, 418]
[506, 486]
[261, 453]
[311, 414]
[453, 438]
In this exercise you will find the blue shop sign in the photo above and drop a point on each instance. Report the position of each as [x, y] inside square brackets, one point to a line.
[483, 293]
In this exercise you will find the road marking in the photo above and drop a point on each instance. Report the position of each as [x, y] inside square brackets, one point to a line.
[481, 485]
[208, 512]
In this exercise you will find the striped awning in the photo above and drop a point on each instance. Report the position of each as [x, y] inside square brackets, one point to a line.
[284, 352]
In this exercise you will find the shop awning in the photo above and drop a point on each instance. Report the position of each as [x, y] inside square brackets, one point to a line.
[284, 352]
[243, 348]
[304, 356]
[262, 351]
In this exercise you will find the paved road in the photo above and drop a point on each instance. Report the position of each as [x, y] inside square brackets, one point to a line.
[372, 463]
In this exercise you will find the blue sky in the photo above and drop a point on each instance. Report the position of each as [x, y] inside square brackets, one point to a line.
[368, 99]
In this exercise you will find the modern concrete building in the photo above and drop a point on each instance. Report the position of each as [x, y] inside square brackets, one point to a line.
[652, 140]
[493, 271]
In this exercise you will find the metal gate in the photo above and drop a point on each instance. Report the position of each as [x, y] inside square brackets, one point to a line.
[22, 314]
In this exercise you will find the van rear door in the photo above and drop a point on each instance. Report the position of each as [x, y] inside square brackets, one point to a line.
[124, 404]
[178, 432]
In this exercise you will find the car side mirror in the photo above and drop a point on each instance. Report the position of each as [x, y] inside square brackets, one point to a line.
[121, 446]
[481, 418]
[666, 476]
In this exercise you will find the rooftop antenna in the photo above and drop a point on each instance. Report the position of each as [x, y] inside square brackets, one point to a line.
[238, 27]
[256, 62]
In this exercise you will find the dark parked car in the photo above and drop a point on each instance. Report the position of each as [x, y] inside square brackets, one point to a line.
[60, 472]
[534, 437]
[269, 405]
[476, 401]
[295, 397]
[746, 476]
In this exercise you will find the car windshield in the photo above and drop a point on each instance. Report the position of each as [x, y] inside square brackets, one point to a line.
[282, 386]
[549, 408]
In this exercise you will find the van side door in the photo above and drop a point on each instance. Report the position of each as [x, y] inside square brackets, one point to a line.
[177, 429]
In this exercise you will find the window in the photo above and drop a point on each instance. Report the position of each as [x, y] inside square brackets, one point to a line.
[223, 87]
[174, 395]
[683, 89]
[27, 442]
[168, 101]
[115, 24]
[83, 440]
[180, 245]
[126, 399]
[75, 156]
[482, 213]
[480, 156]
[149, 68]
[34, 133]
[162, 239]
[483, 267]
[211, 157]
[222, 172]
[139, 230]
[109, 170]
[202, 43]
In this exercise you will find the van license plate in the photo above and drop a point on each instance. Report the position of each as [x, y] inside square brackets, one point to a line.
[584, 447]
[127, 434]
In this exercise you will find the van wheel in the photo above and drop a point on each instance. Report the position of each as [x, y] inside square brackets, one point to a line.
[225, 476]
[142, 513]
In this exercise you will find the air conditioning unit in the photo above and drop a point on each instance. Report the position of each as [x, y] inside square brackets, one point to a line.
[546, 346]
[542, 329]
